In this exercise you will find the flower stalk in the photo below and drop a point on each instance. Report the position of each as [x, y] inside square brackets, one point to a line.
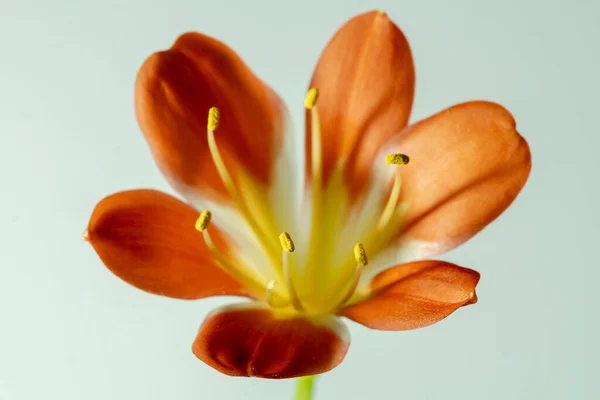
[304, 387]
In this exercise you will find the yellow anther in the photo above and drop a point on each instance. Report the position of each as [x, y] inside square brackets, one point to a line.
[213, 118]
[398, 159]
[203, 220]
[360, 254]
[286, 242]
[311, 98]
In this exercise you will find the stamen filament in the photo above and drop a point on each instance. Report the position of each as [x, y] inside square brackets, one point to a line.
[222, 262]
[317, 189]
[357, 274]
[213, 122]
[229, 267]
[392, 203]
[288, 247]
[361, 262]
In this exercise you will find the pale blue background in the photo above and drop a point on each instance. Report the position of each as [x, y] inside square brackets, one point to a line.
[70, 330]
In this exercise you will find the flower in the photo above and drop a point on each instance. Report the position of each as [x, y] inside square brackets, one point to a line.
[343, 234]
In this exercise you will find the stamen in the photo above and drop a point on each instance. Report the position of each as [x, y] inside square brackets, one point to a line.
[203, 220]
[392, 203]
[360, 255]
[212, 124]
[398, 159]
[316, 186]
[361, 262]
[213, 118]
[311, 98]
[222, 261]
[287, 244]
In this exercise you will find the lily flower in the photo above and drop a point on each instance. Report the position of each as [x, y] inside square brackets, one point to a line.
[340, 224]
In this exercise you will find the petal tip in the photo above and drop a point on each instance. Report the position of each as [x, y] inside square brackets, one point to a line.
[375, 17]
[173, 90]
[415, 295]
[473, 299]
[382, 15]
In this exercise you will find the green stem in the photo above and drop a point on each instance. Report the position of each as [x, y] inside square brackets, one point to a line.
[304, 388]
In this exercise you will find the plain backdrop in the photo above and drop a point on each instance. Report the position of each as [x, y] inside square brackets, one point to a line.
[70, 330]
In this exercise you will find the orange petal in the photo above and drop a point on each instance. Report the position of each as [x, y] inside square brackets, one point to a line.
[174, 91]
[366, 81]
[467, 164]
[148, 239]
[250, 340]
[415, 295]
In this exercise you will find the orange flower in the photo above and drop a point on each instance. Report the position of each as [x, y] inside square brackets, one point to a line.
[467, 164]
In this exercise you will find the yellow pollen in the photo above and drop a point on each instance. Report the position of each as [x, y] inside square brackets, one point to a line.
[311, 98]
[213, 118]
[398, 159]
[203, 220]
[286, 242]
[360, 254]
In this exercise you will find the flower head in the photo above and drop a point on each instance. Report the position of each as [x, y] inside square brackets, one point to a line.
[347, 233]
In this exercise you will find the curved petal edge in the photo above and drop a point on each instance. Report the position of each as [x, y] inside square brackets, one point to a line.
[148, 239]
[414, 295]
[253, 340]
[467, 165]
[366, 81]
[175, 89]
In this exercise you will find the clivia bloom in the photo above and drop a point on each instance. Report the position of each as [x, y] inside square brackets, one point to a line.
[342, 233]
